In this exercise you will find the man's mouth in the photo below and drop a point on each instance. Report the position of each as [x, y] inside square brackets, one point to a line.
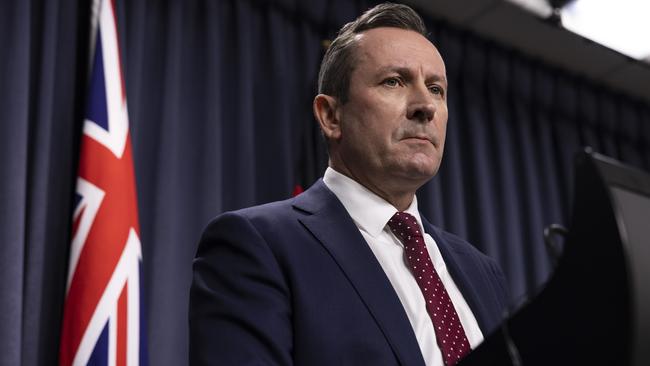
[421, 138]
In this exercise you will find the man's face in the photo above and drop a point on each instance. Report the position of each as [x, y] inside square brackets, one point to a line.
[394, 123]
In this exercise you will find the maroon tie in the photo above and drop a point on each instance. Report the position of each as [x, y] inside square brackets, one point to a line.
[450, 335]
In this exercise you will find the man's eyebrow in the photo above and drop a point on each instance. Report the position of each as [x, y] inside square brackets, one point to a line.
[406, 72]
[441, 78]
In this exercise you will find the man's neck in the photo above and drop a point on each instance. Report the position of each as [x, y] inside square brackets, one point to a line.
[401, 200]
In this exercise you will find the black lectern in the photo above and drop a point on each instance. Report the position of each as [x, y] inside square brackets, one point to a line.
[595, 309]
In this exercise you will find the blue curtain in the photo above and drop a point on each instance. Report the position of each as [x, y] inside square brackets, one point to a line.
[219, 97]
[44, 54]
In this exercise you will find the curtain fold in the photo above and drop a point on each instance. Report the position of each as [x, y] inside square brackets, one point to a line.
[219, 96]
[14, 76]
[40, 98]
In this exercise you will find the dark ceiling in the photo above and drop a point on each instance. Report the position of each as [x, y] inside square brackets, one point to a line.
[515, 27]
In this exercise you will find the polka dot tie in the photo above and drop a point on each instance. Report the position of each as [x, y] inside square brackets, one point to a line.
[450, 334]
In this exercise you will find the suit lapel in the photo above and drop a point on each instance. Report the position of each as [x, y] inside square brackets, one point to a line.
[330, 223]
[459, 267]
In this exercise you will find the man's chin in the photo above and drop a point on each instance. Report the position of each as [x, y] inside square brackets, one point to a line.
[422, 165]
[419, 172]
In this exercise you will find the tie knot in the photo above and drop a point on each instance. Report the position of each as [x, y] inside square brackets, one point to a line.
[404, 225]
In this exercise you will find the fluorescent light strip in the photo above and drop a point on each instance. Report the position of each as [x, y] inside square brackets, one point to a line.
[623, 25]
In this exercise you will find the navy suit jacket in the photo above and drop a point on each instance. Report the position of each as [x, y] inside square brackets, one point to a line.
[295, 283]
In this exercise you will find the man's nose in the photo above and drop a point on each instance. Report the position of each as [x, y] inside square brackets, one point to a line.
[421, 107]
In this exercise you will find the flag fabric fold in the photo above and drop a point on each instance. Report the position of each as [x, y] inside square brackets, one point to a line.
[103, 319]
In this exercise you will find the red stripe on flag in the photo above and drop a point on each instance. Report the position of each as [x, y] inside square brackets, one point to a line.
[297, 189]
[97, 260]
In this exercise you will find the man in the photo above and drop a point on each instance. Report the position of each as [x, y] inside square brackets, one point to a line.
[343, 274]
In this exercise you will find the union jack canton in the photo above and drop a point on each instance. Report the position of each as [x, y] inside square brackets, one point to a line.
[103, 319]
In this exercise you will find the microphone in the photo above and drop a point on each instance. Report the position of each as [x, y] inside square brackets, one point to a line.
[553, 248]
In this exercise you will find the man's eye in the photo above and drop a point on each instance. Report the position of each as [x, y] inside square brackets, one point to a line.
[391, 82]
[435, 89]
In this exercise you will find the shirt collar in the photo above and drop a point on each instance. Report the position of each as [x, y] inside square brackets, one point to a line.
[369, 211]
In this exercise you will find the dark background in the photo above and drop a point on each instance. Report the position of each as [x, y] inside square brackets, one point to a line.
[219, 95]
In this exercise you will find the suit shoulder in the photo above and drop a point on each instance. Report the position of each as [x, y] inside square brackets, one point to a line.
[266, 210]
[271, 213]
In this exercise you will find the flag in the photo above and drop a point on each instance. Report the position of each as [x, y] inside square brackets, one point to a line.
[103, 317]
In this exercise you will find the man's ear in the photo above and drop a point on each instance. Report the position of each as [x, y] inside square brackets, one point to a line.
[326, 111]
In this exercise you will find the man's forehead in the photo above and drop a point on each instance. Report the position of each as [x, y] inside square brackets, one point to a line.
[393, 48]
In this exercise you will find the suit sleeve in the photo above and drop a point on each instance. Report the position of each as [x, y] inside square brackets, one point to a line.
[240, 310]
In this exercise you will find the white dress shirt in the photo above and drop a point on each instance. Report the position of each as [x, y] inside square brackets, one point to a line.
[371, 214]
